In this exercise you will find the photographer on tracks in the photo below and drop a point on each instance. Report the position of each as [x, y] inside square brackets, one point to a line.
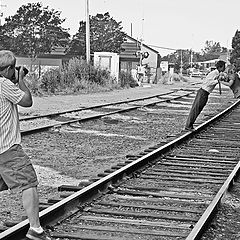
[16, 170]
[202, 94]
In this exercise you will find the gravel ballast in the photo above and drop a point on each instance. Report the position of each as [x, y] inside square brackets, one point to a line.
[65, 156]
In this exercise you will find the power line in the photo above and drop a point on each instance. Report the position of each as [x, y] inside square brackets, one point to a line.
[166, 48]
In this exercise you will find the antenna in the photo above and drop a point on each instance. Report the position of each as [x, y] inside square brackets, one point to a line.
[142, 21]
[141, 39]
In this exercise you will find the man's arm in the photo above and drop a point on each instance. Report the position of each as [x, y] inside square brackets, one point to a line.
[231, 79]
[229, 83]
[26, 101]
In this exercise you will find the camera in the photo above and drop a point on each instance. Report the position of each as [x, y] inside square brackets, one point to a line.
[25, 70]
[15, 76]
[223, 77]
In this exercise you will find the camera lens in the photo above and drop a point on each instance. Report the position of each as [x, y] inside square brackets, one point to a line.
[25, 70]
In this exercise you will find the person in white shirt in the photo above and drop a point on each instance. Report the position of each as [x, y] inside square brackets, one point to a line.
[202, 94]
[16, 170]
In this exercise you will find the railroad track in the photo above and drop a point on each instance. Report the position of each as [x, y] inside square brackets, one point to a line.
[33, 124]
[169, 192]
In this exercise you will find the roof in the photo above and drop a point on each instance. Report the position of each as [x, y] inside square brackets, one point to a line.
[129, 51]
[210, 61]
[146, 46]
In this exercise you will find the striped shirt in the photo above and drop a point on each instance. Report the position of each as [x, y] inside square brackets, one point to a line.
[210, 81]
[10, 95]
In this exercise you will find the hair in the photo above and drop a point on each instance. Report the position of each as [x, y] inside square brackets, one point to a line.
[7, 58]
[220, 64]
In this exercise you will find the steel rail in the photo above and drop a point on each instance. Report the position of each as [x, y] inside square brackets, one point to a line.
[65, 206]
[201, 225]
[55, 125]
[216, 117]
[95, 106]
[105, 105]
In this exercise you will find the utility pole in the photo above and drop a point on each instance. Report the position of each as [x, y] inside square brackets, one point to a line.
[191, 59]
[87, 33]
[181, 64]
[1, 13]
[228, 54]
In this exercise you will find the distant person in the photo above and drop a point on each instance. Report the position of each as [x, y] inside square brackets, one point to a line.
[232, 80]
[140, 74]
[16, 170]
[201, 98]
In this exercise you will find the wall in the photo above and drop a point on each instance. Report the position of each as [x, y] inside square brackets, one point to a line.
[109, 61]
[152, 58]
[39, 61]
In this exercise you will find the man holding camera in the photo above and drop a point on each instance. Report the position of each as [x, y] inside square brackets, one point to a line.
[16, 170]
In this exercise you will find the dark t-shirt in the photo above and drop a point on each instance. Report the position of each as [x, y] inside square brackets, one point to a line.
[236, 86]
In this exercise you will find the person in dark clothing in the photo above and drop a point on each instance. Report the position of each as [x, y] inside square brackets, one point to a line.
[233, 80]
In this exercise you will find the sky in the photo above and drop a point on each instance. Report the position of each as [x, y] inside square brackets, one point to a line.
[174, 24]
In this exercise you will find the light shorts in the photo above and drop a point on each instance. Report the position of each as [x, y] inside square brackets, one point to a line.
[16, 170]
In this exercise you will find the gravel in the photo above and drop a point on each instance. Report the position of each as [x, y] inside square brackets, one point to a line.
[71, 155]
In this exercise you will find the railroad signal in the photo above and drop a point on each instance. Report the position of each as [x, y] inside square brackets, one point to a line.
[138, 53]
[145, 55]
[142, 54]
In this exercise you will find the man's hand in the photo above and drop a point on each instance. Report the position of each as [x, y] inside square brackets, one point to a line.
[21, 74]
[27, 98]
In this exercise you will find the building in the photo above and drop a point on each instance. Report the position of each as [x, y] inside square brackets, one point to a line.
[211, 63]
[129, 59]
[56, 58]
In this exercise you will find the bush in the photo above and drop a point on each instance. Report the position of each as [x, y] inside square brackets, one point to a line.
[50, 81]
[126, 80]
[33, 83]
[165, 78]
[77, 76]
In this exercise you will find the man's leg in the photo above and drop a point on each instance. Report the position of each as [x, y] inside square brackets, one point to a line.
[31, 205]
[3, 185]
[198, 105]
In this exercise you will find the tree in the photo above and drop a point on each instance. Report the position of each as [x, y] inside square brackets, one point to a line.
[212, 47]
[5, 40]
[33, 30]
[235, 54]
[212, 50]
[178, 55]
[105, 35]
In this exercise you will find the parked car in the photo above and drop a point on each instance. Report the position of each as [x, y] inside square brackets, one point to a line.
[196, 73]
[205, 72]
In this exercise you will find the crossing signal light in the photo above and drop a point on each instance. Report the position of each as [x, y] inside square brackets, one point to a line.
[143, 54]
